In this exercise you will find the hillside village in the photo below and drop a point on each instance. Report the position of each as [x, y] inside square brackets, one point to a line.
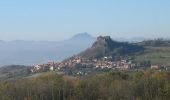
[105, 62]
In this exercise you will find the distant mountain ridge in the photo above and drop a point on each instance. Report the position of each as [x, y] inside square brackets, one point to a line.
[34, 52]
[105, 46]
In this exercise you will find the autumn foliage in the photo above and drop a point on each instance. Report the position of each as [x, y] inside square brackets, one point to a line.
[143, 85]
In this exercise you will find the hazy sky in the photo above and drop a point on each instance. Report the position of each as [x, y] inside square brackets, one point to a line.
[60, 19]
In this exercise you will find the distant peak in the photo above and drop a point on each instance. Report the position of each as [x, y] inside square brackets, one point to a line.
[82, 35]
[85, 33]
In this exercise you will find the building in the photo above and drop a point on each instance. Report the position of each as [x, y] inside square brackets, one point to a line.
[51, 68]
[37, 67]
[155, 66]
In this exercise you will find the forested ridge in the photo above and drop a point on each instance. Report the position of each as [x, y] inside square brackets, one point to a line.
[143, 85]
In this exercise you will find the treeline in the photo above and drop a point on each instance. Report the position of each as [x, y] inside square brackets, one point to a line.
[148, 85]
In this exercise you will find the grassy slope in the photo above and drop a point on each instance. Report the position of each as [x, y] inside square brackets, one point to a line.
[157, 55]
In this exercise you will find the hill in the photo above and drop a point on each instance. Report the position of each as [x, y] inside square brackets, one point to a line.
[105, 46]
[13, 72]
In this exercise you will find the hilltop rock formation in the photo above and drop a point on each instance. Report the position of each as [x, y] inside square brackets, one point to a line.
[105, 46]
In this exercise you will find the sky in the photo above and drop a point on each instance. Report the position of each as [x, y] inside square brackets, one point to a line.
[60, 19]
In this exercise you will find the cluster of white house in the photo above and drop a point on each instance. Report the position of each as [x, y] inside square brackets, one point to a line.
[44, 67]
